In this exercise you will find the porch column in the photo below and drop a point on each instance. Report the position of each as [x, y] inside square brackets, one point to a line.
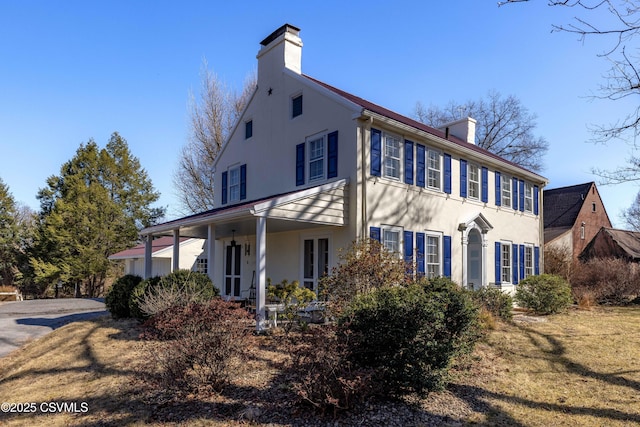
[465, 249]
[211, 252]
[485, 245]
[148, 249]
[175, 265]
[261, 267]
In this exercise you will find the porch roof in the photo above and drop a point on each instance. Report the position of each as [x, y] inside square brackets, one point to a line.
[321, 205]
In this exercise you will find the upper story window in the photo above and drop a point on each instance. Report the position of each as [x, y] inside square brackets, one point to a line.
[234, 184]
[473, 190]
[392, 152]
[248, 129]
[296, 106]
[391, 239]
[528, 197]
[506, 190]
[316, 148]
[434, 169]
[593, 207]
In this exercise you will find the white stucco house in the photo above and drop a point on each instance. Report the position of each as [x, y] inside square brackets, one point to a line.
[310, 168]
[191, 257]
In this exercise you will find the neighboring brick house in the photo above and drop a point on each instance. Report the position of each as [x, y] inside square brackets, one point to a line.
[572, 217]
[310, 168]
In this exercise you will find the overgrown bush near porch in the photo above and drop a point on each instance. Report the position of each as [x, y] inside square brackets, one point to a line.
[198, 345]
[180, 287]
[606, 281]
[117, 299]
[496, 302]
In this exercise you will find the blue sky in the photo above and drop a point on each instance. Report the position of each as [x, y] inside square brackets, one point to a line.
[75, 70]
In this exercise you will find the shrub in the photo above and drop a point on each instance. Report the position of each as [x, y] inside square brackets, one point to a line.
[366, 265]
[493, 300]
[117, 299]
[409, 335]
[293, 297]
[178, 288]
[607, 281]
[544, 294]
[201, 344]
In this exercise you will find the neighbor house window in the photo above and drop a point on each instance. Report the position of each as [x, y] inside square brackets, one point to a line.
[296, 106]
[234, 184]
[433, 169]
[248, 129]
[316, 158]
[505, 262]
[433, 256]
[392, 152]
[506, 190]
[528, 197]
[473, 178]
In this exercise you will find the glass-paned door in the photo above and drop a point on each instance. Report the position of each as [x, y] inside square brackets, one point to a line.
[232, 271]
[315, 261]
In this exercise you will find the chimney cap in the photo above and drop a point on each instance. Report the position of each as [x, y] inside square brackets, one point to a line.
[286, 28]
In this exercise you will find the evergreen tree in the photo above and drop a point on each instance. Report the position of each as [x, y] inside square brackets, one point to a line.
[94, 208]
[9, 237]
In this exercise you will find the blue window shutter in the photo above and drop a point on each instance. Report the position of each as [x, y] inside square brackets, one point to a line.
[536, 195]
[420, 165]
[300, 149]
[243, 182]
[446, 268]
[408, 250]
[463, 178]
[375, 233]
[514, 193]
[376, 152]
[521, 192]
[536, 260]
[498, 192]
[224, 188]
[408, 162]
[514, 264]
[420, 254]
[447, 173]
[485, 185]
[521, 261]
[332, 157]
[498, 269]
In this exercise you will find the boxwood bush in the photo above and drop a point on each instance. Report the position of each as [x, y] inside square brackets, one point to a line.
[544, 294]
[117, 299]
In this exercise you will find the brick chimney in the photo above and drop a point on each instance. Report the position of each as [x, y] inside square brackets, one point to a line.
[282, 49]
[465, 129]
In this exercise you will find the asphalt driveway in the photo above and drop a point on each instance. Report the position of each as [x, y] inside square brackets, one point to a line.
[23, 321]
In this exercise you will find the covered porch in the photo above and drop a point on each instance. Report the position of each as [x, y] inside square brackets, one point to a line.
[289, 236]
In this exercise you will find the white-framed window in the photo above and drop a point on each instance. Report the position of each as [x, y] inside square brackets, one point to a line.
[528, 197]
[473, 181]
[315, 260]
[434, 169]
[505, 186]
[528, 261]
[392, 156]
[433, 255]
[202, 265]
[234, 184]
[392, 239]
[505, 262]
[317, 152]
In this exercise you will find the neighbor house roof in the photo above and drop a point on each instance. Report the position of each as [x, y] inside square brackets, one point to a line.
[138, 251]
[610, 242]
[562, 205]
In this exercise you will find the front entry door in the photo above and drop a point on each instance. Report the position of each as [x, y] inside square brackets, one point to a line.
[232, 271]
[474, 260]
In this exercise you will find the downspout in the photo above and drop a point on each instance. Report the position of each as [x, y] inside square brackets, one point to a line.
[365, 124]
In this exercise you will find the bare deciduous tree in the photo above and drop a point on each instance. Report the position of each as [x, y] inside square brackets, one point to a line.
[504, 127]
[212, 118]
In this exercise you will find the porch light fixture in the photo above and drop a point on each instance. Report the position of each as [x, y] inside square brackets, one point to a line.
[233, 238]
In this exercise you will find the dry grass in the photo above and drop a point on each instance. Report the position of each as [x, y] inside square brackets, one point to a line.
[580, 368]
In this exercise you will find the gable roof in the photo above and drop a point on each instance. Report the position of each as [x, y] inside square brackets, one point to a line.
[157, 245]
[562, 205]
[375, 108]
[610, 242]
